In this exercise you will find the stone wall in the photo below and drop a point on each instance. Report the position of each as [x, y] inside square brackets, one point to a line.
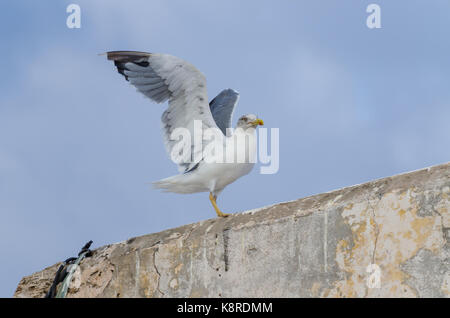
[319, 246]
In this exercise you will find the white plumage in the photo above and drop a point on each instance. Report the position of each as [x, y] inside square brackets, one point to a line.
[163, 77]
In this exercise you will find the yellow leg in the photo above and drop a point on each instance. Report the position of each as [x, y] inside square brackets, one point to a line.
[213, 201]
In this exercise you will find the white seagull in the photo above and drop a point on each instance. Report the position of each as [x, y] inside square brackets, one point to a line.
[163, 77]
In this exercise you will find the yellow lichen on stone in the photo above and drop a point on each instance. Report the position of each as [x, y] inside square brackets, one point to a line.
[399, 232]
[446, 284]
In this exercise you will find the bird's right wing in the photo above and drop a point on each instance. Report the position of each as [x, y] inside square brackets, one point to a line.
[222, 107]
[163, 77]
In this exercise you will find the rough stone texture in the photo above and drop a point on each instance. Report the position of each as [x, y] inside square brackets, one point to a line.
[319, 246]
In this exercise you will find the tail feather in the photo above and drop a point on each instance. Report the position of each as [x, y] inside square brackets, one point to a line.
[177, 184]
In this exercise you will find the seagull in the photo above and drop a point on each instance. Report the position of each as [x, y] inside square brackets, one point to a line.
[163, 77]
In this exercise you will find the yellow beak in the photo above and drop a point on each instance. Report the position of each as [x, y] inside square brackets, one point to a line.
[257, 122]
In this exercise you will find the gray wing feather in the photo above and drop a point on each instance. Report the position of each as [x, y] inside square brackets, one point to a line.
[222, 107]
[163, 77]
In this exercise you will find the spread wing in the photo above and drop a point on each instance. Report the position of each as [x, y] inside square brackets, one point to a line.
[163, 77]
[222, 107]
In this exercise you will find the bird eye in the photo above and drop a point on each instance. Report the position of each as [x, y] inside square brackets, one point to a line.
[245, 119]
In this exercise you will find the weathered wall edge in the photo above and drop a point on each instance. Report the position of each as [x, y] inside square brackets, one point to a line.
[316, 246]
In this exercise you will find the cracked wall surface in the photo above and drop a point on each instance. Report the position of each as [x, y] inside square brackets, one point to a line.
[385, 238]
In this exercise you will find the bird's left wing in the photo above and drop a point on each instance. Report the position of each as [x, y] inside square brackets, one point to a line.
[163, 77]
[222, 107]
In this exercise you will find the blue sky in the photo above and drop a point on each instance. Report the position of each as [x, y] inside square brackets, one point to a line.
[78, 145]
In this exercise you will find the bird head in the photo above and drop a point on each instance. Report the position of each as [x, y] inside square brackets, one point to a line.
[249, 121]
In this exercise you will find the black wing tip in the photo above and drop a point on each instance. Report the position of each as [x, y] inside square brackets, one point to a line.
[126, 56]
[142, 63]
[121, 68]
